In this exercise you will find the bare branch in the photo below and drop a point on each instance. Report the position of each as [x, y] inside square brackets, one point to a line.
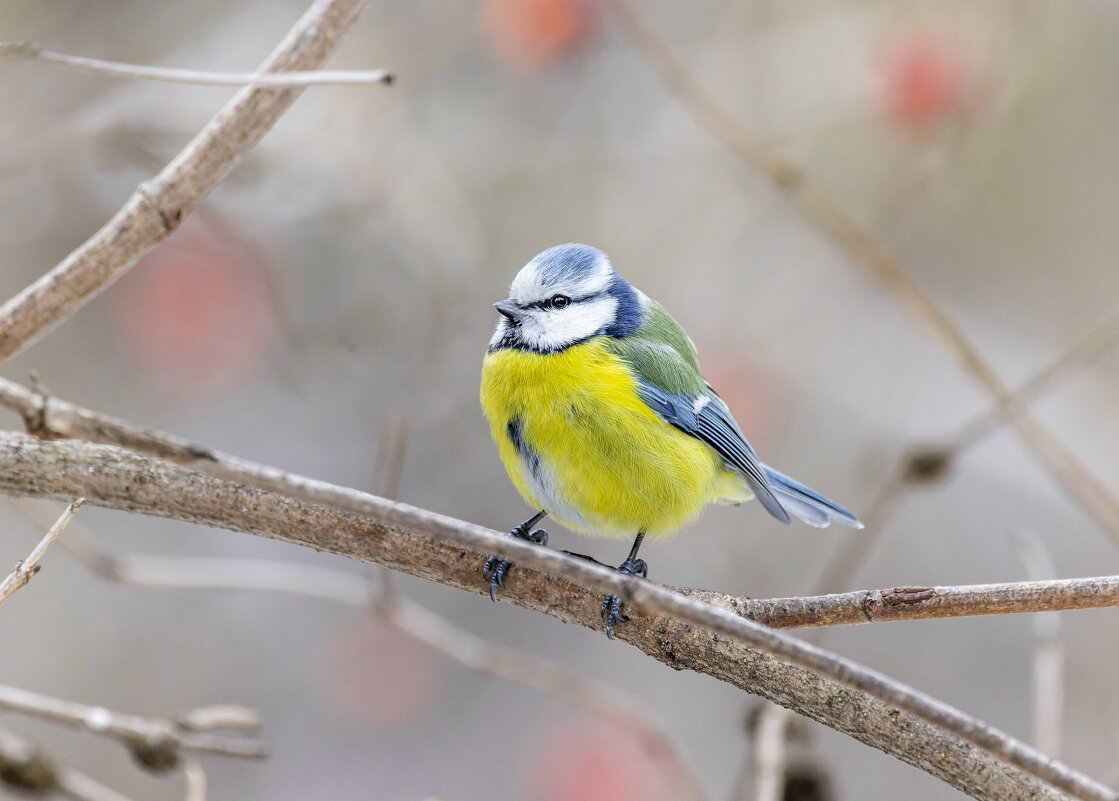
[546, 677]
[157, 207]
[155, 742]
[769, 752]
[921, 603]
[219, 716]
[32, 51]
[30, 770]
[51, 418]
[389, 466]
[823, 211]
[676, 629]
[1100, 338]
[1049, 655]
[30, 566]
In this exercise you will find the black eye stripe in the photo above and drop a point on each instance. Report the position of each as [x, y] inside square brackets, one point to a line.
[548, 303]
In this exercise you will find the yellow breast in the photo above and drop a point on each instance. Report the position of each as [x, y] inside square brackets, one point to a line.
[579, 442]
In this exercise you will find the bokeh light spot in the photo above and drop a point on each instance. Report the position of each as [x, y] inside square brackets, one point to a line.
[921, 79]
[198, 313]
[753, 392]
[591, 760]
[531, 33]
[378, 676]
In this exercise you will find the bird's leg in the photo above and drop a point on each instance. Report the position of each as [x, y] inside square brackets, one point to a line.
[611, 610]
[496, 568]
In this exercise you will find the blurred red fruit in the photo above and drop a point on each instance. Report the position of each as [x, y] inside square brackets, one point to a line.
[922, 80]
[379, 676]
[530, 33]
[198, 313]
[752, 391]
[587, 760]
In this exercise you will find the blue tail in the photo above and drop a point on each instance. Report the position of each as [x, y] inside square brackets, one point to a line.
[807, 504]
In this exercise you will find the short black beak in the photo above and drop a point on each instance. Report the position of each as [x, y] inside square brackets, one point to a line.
[509, 309]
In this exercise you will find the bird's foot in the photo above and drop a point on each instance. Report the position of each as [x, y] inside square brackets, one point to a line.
[611, 610]
[495, 569]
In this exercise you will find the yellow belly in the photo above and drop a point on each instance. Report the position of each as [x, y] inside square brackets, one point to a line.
[580, 443]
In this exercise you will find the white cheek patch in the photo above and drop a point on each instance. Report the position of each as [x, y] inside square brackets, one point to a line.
[549, 330]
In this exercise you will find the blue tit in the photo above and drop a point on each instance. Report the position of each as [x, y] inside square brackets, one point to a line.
[603, 420]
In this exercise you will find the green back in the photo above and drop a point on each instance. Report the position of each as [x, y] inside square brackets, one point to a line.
[660, 353]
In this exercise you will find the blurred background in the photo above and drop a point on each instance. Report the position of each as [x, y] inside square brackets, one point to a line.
[340, 281]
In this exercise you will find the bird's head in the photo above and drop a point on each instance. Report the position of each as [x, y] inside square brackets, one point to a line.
[564, 296]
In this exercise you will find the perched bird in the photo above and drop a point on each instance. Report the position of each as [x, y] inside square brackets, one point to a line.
[603, 420]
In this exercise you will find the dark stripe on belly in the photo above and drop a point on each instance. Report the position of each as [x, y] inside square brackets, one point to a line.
[515, 430]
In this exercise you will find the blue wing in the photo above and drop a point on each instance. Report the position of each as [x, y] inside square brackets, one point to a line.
[706, 418]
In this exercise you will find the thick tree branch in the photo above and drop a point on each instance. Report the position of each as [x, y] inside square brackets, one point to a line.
[32, 51]
[825, 212]
[52, 418]
[680, 631]
[157, 207]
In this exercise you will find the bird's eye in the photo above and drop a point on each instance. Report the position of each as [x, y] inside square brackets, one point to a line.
[559, 301]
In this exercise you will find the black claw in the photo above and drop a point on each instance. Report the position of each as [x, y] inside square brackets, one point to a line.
[495, 568]
[611, 612]
[611, 609]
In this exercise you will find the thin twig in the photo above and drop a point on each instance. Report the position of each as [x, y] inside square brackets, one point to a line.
[30, 566]
[32, 51]
[1049, 656]
[144, 736]
[546, 677]
[922, 603]
[30, 771]
[157, 207]
[386, 481]
[231, 717]
[823, 211]
[195, 777]
[676, 629]
[1100, 338]
[769, 752]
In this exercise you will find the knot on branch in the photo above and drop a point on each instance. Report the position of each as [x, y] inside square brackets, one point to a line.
[927, 465]
[20, 50]
[32, 772]
[158, 753]
[872, 600]
[907, 596]
[171, 218]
